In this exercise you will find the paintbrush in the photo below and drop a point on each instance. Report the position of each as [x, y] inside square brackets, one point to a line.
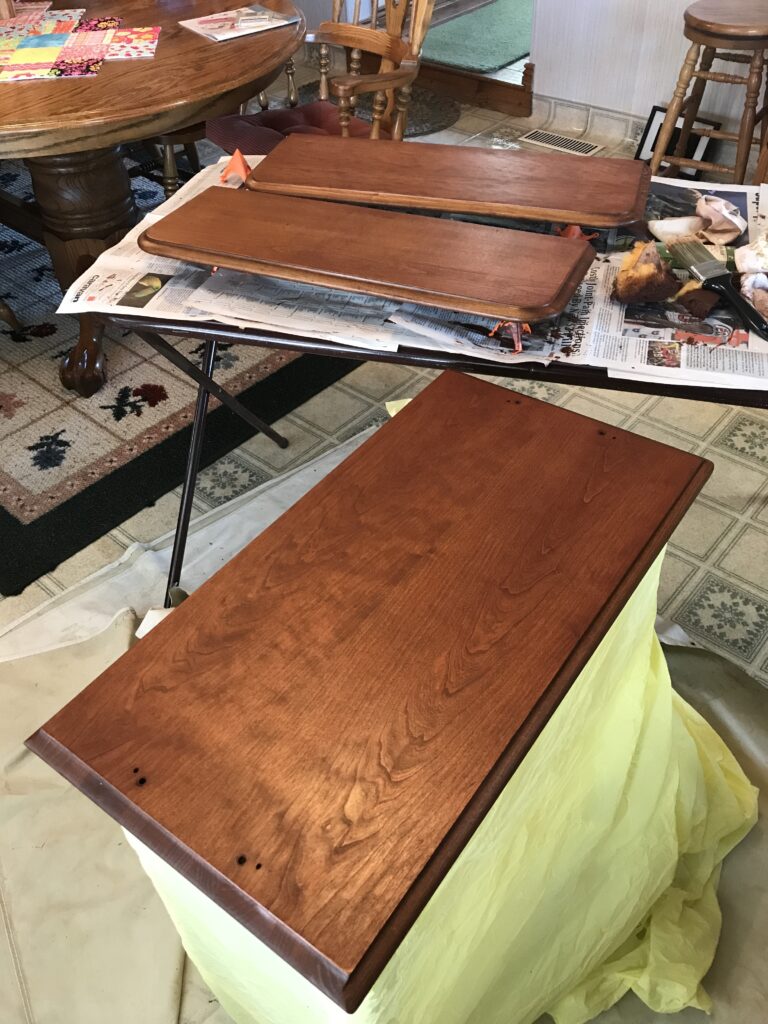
[715, 276]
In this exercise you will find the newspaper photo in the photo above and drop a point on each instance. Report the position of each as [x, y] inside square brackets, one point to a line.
[127, 280]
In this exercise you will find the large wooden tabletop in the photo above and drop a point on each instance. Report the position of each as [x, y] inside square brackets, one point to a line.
[600, 192]
[189, 79]
[313, 737]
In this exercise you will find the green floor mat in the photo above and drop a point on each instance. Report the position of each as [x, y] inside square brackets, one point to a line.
[483, 40]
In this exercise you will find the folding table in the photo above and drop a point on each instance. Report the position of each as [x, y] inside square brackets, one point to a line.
[492, 271]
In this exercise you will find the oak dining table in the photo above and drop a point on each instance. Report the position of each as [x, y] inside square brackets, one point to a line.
[69, 134]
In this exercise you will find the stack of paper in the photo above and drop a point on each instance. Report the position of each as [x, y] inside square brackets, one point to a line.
[243, 21]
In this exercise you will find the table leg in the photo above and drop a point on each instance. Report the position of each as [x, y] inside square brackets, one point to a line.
[86, 205]
[190, 476]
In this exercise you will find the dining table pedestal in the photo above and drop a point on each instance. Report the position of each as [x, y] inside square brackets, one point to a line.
[86, 205]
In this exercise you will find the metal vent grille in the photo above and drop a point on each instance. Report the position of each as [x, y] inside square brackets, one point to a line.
[550, 140]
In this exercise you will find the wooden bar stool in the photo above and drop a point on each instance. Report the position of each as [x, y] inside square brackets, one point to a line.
[716, 29]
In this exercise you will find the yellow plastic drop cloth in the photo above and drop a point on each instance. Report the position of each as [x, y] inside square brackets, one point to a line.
[595, 872]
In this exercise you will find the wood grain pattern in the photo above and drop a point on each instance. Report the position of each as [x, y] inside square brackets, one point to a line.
[444, 263]
[341, 33]
[747, 19]
[190, 79]
[542, 186]
[314, 735]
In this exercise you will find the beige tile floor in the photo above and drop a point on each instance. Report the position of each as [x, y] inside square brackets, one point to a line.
[715, 580]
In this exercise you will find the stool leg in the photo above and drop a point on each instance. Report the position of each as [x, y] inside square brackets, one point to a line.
[747, 126]
[694, 101]
[675, 106]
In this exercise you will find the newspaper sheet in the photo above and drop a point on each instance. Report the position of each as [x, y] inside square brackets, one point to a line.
[127, 280]
[659, 341]
[250, 299]
[367, 321]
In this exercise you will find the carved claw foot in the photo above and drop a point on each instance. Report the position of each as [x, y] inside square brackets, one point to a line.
[84, 369]
[9, 317]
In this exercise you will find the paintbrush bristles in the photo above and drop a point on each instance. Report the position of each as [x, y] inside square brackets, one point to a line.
[698, 259]
[691, 252]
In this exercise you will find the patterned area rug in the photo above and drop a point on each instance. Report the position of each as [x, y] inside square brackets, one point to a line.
[72, 468]
[427, 111]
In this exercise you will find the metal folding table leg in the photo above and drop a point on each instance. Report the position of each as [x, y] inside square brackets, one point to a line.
[204, 380]
[205, 386]
[190, 475]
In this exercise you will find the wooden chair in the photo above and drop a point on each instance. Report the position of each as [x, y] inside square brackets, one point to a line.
[715, 29]
[397, 45]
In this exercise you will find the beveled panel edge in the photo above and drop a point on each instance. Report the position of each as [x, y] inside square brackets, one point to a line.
[270, 930]
[337, 193]
[368, 287]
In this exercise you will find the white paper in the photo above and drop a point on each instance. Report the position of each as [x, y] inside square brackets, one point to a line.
[305, 310]
[126, 280]
[242, 21]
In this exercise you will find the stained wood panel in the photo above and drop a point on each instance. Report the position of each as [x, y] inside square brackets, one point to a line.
[443, 263]
[747, 20]
[470, 179]
[314, 735]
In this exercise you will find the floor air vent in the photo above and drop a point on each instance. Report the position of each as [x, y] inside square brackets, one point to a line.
[561, 143]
